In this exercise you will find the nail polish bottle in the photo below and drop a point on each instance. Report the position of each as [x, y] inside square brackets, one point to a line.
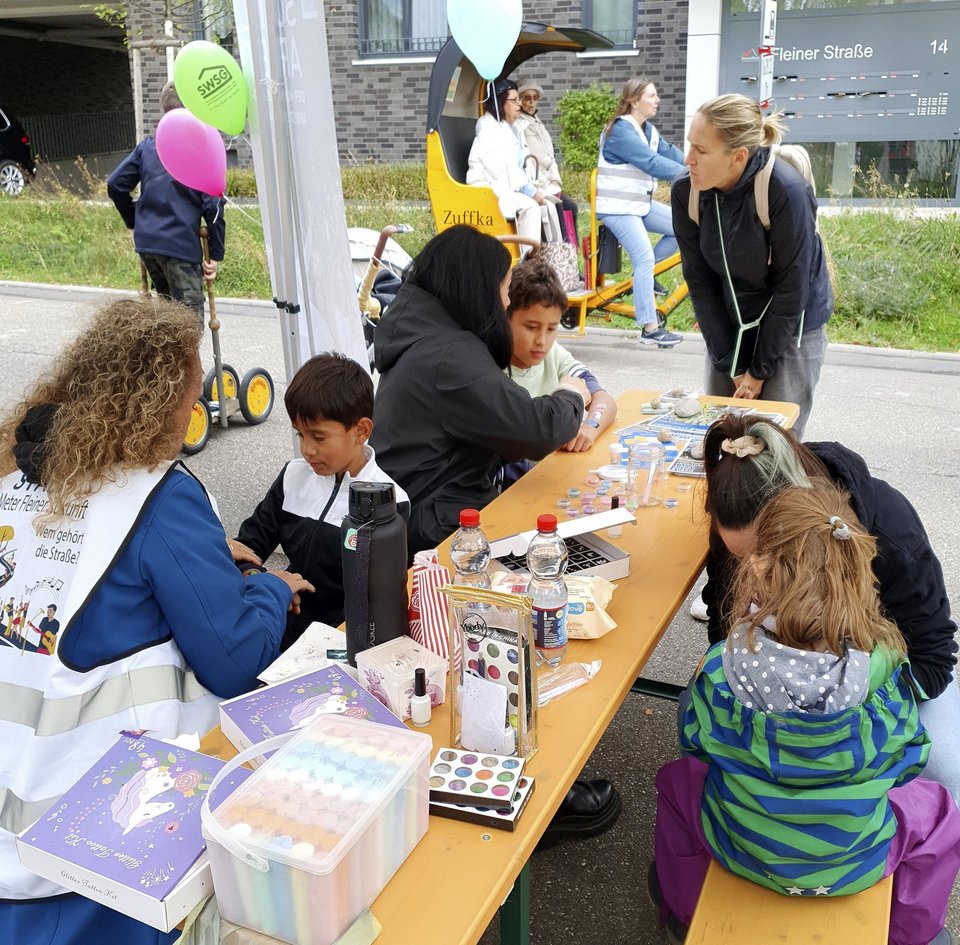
[420, 702]
[614, 531]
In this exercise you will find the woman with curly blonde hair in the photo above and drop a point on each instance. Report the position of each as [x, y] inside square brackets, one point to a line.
[154, 622]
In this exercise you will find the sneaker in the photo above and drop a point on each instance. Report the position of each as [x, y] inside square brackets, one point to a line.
[660, 337]
[698, 610]
[659, 288]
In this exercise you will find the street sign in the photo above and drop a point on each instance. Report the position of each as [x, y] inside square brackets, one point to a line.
[766, 77]
[768, 23]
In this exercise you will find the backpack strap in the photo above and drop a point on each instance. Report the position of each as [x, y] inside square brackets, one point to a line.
[761, 190]
[693, 204]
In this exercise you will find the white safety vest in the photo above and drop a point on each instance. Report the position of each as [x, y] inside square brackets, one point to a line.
[623, 188]
[55, 722]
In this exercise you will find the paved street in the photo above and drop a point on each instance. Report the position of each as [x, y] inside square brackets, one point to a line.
[900, 410]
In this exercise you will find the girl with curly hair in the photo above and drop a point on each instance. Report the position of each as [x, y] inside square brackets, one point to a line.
[156, 622]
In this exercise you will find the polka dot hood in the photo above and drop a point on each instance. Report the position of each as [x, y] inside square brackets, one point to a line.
[772, 677]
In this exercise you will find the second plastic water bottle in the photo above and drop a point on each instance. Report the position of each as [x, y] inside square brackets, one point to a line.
[470, 551]
[547, 560]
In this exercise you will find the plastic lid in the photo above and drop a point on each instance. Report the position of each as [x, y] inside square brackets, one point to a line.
[546, 523]
[372, 500]
[322, 791]
[469, 518]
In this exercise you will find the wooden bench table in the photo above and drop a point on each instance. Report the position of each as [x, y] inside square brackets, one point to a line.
[451, 886]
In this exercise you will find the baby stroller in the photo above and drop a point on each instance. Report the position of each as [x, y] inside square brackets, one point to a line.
[378, 264]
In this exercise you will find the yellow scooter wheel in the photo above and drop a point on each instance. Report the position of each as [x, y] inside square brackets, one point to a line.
[256, 395]
[231, 384]
[198, 432]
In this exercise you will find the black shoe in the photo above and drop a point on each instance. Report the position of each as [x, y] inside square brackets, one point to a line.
[675, 930]
[659, 288]
[590, 808]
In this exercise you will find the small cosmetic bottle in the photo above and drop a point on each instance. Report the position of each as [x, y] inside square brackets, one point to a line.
[614, 531]
[420, 702]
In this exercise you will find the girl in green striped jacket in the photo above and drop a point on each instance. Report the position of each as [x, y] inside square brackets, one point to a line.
[803, 738]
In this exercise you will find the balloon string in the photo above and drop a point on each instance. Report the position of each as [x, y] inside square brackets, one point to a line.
[240, 209]
[496, 104]
[216, 216]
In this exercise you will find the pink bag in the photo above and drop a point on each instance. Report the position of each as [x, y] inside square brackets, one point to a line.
[571, 228]
[429, 623]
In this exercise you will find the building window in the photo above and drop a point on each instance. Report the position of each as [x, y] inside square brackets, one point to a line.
[615, 19]
[402, 27]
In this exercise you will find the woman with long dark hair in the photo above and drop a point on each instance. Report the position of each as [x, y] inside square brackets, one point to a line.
[446, 417]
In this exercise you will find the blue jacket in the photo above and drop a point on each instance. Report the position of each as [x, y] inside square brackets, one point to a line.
[175, 578]
[624, 146]
[166, 218]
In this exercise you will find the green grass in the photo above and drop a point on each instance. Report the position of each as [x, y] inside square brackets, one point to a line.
[898, 278]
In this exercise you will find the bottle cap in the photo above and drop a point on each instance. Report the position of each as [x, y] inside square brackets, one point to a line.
[546, 523]
[614, 502]
[419, 681]
[469, 518]
[374, 501]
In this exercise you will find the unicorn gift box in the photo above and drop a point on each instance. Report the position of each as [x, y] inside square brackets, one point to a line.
[294, 703]
[127, 834]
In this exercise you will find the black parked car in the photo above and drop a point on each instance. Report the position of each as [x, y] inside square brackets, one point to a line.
[17, 166]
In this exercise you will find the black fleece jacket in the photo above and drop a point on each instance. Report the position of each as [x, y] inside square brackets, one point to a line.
[912, 591]
[794, 281]
[445, 415]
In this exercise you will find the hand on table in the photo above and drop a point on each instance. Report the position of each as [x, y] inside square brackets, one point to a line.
[747, 386]
[585, 438]
[296, 583]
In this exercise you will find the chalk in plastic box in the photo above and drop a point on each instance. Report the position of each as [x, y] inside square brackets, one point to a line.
[387, 671]
[313, 836]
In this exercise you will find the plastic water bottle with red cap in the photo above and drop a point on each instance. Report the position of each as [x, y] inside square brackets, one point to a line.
[547, 561]
[470, 551]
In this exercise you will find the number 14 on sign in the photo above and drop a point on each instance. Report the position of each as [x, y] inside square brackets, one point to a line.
[939, 46]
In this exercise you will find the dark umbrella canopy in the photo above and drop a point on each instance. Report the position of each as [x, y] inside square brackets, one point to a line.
[534, 39]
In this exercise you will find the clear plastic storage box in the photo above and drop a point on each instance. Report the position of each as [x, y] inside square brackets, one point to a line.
[305, 845]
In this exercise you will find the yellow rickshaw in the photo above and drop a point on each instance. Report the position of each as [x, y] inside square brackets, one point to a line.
[455, 102]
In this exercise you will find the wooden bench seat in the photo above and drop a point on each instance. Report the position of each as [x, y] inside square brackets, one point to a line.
[733, 910]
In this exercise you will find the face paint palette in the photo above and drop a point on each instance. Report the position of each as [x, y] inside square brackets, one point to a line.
[498, 819]
[475, 778]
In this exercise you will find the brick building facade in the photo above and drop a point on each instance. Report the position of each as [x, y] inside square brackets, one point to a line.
[381, 107]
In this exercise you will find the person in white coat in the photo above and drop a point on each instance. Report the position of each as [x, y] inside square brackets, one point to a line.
[536, 137]
[497, 159]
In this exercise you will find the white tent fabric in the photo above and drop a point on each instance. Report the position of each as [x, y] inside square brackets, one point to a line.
[283, 51]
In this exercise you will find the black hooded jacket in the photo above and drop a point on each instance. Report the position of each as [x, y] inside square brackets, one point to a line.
[445, 415]
[795, 281]
[910, 578]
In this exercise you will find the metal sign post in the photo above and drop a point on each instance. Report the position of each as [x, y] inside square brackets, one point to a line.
[768, 38]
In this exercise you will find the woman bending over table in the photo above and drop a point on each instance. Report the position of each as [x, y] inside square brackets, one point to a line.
[446, 417]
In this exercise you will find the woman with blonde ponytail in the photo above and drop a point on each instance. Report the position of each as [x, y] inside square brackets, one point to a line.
[758, 280]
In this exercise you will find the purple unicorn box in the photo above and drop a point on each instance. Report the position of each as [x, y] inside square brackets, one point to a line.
[293, 703]
[127, 834]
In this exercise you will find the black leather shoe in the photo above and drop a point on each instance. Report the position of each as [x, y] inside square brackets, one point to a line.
[590, 808]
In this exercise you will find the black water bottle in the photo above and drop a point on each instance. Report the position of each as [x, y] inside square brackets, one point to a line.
[373, 549]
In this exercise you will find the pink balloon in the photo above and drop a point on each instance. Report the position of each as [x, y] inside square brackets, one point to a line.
[192, 152]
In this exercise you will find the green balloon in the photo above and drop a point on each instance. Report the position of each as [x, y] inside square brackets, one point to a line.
[211, 86]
